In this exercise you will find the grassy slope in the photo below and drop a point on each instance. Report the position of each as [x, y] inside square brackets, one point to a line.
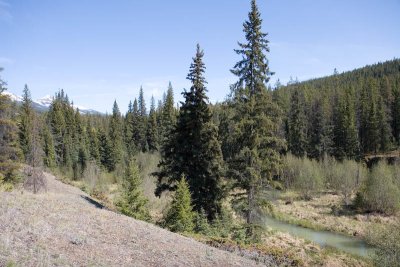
[61, 227]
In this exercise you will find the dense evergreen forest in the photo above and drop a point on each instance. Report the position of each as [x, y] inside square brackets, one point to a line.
[213, 152]
[346, 115]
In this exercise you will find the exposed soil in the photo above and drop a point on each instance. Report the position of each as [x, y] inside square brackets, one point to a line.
[65, 227]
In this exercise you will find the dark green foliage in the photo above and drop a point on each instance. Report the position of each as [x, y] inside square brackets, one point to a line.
[105, 151]
[253, 70]
[396, 115]
[115, 135]
[142, 144]
[193, 148]
[297, 135]
[180, 215]
[49, 157]
[9, 153]
[25, 122]
[201, 224]
[168, 116]
[370, 94]
[345, 130]
[94, 144]
[320, 131]
[132, 202]
[152, 129]
[257, 143]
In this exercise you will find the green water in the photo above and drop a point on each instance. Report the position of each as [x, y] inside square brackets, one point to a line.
[347, 244]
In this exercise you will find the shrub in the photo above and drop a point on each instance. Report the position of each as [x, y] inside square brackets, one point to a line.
[132, 201]
[201, 224]
[381, 193]
[180, 215]
[386, 241]
[35, 180]
[345, 177]
[303, 175]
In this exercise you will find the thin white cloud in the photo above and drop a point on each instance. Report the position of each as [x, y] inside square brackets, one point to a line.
[5, 60]
[5, 14]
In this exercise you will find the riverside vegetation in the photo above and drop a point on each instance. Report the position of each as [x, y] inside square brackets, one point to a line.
[206, 170]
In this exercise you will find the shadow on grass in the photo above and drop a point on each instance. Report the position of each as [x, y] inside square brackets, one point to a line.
[94, 202]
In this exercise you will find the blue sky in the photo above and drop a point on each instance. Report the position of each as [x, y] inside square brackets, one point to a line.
[100, 50]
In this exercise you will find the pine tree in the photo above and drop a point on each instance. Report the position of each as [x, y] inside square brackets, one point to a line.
[137, 128]
[396, 115]
[129, 130]
[142, 122]
[385, 135]
[193, 148]
[26, 122]
[297, 136]
[256, 155]
[152, 129]
[253, 70]
[94, 144]
[180, 215]
[320, 131]
[9, 153]
[346, 142]
[49, 157]
[369, 128]
[133, 203]
[168, 114]
[105, 151]
[115, 134]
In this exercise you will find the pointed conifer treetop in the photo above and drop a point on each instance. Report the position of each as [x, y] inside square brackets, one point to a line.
[196, 72]
[253, 70]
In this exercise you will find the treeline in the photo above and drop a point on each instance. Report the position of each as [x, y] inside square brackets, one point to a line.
[346, 115]
[213, 153]
[70, 140]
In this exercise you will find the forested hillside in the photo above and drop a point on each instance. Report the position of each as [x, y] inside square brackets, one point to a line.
[216, 171]
[347, 115]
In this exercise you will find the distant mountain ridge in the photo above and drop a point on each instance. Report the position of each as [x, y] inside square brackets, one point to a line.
[43, 104]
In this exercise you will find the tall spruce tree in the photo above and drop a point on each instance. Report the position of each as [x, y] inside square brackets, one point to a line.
[9, 152]
[320, 131]
[49, 157]
[256, 156]
[385, 134]
[396, 115]
[142, 122]
[25, 124]
[129, 130]
[346, 144]
[152, 129]
[193, 149]
[115, 135]
[297, 126]
[253, 70]
[168, 118]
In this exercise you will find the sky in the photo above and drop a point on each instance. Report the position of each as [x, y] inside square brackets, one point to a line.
[99, 51]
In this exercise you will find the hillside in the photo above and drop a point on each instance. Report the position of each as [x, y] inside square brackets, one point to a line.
[346, 115]
[64, 227]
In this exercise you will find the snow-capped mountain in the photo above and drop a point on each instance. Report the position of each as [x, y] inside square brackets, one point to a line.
[44, 103]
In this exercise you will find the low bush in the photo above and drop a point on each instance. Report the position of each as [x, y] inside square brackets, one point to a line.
[380, 192]
[303, 175]
[386, 240]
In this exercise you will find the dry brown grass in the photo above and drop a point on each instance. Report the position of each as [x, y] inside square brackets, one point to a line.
[62, 228]
[319, 212]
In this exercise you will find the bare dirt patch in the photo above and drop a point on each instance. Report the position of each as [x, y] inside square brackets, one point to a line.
[62, 228]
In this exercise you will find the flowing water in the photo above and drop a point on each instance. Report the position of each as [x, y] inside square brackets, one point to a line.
[347, 244]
